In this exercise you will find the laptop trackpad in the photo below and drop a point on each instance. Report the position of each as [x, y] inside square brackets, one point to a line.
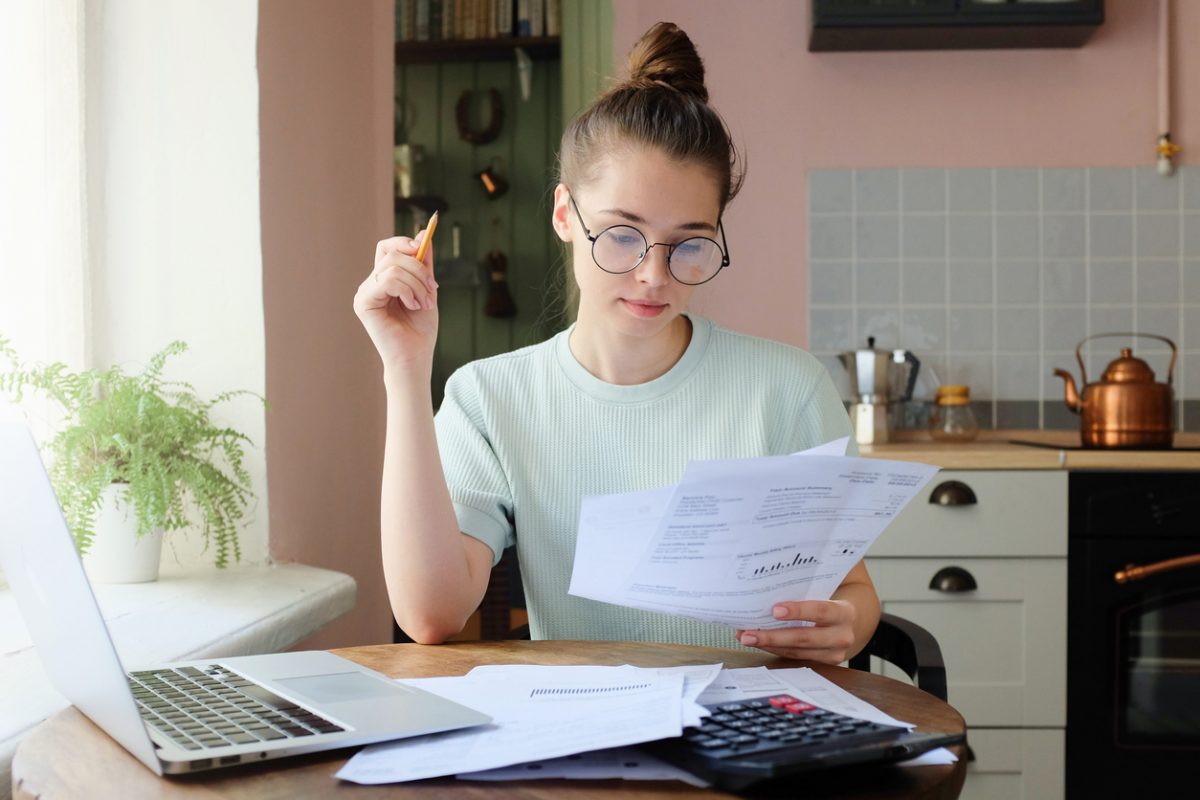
[339, 687]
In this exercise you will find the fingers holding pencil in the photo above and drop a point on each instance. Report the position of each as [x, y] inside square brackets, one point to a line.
[424, 255]
[402, 273]
[397, 303]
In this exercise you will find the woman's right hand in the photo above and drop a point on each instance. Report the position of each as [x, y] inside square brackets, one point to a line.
[397, 303]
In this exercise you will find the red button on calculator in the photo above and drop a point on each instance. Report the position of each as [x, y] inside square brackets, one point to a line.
[789, 703]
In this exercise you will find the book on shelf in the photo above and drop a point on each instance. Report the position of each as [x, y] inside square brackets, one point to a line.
[528, 16]
[537, 18]
[406, 20]
[470, 20]
[504, 17]
[436, 9]
[422, 15]
[434, 20]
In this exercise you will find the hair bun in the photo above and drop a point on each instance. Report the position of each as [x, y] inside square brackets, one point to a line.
[666, 57]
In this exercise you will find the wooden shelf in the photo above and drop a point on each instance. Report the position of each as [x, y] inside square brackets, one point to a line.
[419, 52]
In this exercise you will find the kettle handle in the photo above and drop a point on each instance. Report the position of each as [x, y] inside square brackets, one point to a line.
[1083, 369]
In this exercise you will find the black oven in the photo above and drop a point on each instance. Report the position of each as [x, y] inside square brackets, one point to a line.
[1133, 635]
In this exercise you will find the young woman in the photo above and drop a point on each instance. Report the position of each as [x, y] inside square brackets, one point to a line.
[618, 402]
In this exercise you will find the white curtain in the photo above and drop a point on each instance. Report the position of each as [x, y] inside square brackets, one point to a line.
[44, 296]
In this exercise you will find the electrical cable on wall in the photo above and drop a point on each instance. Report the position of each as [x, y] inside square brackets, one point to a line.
[1166, 149]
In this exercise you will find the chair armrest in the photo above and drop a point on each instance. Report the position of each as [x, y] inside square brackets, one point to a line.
[911, 648]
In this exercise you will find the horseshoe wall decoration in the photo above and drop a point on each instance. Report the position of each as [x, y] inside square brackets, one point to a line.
[462, 115]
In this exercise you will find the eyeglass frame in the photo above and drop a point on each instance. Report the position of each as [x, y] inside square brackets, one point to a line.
[724, 247]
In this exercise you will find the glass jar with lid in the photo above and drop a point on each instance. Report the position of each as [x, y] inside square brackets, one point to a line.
[952, 419]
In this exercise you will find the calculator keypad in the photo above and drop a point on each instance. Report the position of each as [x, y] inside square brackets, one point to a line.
[775, 722]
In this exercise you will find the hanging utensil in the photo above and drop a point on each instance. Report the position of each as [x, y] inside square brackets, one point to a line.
[499, 300]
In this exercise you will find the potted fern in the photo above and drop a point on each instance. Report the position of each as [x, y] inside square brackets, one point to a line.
[139, 449]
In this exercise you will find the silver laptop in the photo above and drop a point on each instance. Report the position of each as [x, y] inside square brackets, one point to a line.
[187, 716]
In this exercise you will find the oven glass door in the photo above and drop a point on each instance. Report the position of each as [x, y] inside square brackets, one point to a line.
[1158, 670]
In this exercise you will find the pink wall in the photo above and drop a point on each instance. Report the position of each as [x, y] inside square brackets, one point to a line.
[792, 111]
[326, 98]
[325, 83]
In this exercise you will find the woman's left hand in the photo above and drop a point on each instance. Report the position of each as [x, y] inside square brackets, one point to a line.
[828, 640]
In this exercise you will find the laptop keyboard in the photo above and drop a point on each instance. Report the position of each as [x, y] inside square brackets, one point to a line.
[776, 723]
[212, 707]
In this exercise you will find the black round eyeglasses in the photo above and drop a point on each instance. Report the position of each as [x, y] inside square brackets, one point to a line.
[622, 248]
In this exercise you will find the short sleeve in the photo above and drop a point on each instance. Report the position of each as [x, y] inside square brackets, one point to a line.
[824, 416]
[479, 487]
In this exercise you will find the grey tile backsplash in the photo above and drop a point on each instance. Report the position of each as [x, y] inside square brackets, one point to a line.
[993, 276]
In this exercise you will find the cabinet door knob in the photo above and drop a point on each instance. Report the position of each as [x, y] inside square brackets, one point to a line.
[953, 579]
[953, 493]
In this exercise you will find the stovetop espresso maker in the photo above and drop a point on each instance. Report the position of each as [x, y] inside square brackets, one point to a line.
[878, 378]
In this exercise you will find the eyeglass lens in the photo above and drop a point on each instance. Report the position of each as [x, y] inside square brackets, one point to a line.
[622, 248]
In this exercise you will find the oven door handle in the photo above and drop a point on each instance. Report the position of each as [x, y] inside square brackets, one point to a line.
[1133, 572]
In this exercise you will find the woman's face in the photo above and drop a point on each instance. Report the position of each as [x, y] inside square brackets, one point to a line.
[668, 202]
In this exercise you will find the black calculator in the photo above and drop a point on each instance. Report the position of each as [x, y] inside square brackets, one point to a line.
[767, 737]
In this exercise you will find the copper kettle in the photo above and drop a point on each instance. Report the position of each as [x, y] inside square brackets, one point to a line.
[1126, 407]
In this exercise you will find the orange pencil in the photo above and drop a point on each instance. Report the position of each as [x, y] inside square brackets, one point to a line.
[428, 237]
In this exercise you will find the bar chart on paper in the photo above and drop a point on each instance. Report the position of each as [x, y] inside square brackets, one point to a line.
[751, 568]
[774, 563]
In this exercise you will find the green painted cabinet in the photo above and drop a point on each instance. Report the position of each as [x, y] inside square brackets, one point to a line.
[443, 88]
[514, 225]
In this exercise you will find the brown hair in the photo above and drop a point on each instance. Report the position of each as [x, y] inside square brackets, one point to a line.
[663, 104]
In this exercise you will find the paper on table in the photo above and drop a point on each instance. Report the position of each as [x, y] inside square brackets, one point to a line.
[626, 763]
[735, 685]
[696, 679]
[737, 536]
[935, 757]
[824, 693]
[538, 713]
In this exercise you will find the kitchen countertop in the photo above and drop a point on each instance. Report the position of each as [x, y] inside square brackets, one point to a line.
[995, 450]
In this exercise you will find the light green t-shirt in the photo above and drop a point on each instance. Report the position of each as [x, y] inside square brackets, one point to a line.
[524, 436]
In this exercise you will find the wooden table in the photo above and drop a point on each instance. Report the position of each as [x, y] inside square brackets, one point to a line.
[68, 757]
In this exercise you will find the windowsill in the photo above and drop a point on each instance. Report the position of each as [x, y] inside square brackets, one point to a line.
[194, 613]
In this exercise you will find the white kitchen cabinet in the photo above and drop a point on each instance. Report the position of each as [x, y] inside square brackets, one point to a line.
[1004, 641]
[1015, 765]
[1019, 513]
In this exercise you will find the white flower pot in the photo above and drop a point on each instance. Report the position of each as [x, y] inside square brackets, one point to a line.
[117, 555]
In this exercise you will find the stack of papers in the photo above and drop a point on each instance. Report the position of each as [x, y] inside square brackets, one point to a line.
[541, 713]
[735, 537]
[546, 717]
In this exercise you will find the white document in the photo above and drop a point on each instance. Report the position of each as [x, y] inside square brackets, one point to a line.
[626, 763]
[735, 537]
[696, 679]
[812, 687]
[538, 713]
[743, 683]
